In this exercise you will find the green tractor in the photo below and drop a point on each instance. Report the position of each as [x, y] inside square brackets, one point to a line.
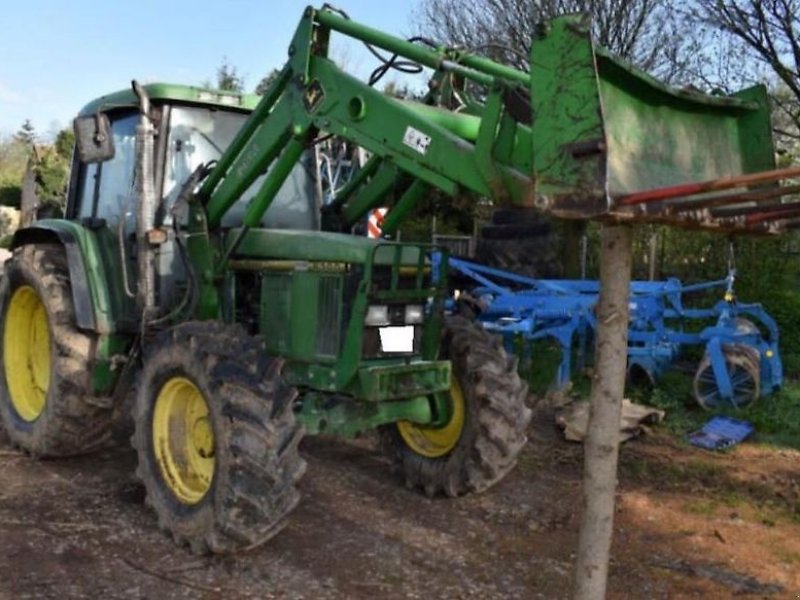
[195, 275]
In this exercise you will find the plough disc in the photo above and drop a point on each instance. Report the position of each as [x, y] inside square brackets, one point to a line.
[742, 365]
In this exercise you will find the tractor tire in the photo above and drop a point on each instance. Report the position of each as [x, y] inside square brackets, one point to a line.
[487, 429]
[46, 399]
[216, 438]
[522, 242]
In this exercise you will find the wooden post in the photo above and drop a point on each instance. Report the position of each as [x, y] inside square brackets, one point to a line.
[601, 446]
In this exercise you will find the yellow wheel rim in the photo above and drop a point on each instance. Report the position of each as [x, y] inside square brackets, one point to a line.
[434, 442]
[26, 353]
[183, 440]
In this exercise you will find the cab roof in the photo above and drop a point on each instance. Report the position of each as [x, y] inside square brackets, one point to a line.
[171, 92]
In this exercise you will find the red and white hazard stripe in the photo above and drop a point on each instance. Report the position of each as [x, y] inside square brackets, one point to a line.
[375, 222]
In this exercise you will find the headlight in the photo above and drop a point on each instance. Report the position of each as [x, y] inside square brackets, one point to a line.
[377, 315]
[414, 314]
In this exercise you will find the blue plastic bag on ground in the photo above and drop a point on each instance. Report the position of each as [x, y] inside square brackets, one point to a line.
[720, 433]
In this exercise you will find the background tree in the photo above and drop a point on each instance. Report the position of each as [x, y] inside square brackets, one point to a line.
[265, 82]
[228, 78]
[649, 33]
[770, 29]
[26, 134]
[14, 154]
[64, 142]
[52, 172]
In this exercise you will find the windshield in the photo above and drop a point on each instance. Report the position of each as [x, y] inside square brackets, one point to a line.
[199, 135]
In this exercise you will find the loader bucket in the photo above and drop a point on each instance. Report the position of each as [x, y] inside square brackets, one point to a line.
[603, 129]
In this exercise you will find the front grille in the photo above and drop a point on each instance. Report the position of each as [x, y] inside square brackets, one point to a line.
[275, 315]
[329, 316]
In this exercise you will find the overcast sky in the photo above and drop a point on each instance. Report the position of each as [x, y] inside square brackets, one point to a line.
[55, 56]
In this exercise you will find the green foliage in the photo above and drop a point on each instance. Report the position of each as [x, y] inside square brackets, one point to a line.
[10, 194]
[5, 241]
[763, 265]
[51, 168]
[540, 365]
[26, 133]
[454, 216]
[52, 172]
[776, 417]
[13, 160]
[674, 395]
[228, 78]
[783, 304]
[64, 142]
[265, 82]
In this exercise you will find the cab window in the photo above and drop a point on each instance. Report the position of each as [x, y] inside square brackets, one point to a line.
[199, 135]
[105, 190]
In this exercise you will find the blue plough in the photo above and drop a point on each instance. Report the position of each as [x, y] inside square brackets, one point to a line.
[741, 360]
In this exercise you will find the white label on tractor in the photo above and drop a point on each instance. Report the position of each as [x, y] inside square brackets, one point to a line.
[397, 339]
[416, 140]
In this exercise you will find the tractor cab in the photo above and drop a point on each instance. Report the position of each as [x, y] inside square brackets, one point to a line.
[193, 127]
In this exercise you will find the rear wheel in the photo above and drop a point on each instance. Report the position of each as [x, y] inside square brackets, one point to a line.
[486, 431]
[46, 400]
[216, 438]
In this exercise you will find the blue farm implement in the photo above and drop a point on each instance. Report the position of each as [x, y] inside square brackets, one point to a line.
[741, 360]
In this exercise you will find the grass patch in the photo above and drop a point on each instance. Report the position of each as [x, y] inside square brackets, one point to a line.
[776, 418]
[691, 474]
[702, 506]
[787, 556]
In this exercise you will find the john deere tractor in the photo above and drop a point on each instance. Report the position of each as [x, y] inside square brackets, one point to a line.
[191, 270]
[197, 271]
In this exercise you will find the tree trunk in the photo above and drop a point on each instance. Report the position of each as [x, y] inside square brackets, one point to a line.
[572, 232]
[29, 201]
[601, 446]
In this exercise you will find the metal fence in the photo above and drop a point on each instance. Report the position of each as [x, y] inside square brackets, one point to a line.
[457, 245]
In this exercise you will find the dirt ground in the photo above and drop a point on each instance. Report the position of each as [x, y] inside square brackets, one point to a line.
[690, 524]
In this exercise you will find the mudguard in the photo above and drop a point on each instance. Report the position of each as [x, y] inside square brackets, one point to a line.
[89, 291]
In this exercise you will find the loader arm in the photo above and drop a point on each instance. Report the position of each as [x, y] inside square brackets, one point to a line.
[576, 137]
[413, 145]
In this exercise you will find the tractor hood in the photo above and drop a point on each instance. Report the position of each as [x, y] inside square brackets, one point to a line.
[317, 246]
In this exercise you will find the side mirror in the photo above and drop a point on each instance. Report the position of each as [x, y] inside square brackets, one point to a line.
[93, 140]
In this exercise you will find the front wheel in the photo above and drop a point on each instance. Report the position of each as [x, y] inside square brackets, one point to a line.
[488, 420]
[216, 438]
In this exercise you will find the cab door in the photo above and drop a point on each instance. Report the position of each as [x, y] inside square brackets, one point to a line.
[102, 198]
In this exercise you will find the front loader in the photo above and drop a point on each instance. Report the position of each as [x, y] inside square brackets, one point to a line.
[196, 270]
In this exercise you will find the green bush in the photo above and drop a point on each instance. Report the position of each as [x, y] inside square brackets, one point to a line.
[775, 417]
[10, 194]
[784, 306]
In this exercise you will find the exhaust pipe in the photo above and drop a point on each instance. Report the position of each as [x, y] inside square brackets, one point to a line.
[146, 196]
